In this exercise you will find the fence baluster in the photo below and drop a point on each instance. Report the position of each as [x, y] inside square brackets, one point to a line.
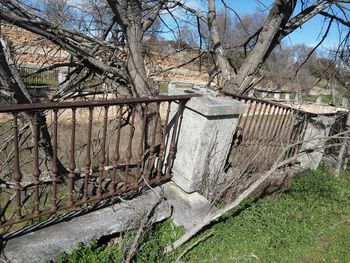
[247, 115]
[250, 127]
[36, 171]
[256, 131]
[290, 126]
[288, 132]
[102, 158]
[17, 175]
[116, 155]
[277, 136]
[293, 134]
[54, 169]
[274, 124]
[279, 121]
[141, 144]
[87, 161]
[162, 145]
[287, 126]
[128, 155]
[172, 150]
[151, 157]
[269, 126]
[302, 133]
[263, 129]
[72, 164]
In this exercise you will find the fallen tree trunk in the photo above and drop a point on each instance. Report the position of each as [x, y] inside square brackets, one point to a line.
[210, 218]
[15, 91]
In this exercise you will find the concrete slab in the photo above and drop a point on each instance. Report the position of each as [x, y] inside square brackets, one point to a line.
[187, 208]
[49, 242]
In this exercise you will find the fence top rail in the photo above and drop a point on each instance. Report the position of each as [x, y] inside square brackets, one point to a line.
[310, 114]
[6, 108]
[275, 91]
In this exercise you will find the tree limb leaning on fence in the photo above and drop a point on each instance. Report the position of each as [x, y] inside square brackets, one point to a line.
[14, 91]
[279, 163]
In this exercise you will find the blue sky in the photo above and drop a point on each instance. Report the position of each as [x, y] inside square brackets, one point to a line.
[308, 34]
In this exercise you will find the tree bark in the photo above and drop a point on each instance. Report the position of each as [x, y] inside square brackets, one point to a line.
[15, 91]
[267, 40]
[217, 48]
[135, 61]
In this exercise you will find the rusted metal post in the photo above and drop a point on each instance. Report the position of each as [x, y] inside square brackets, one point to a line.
[172, 150]
[87, 162]
[140, 150]
[153, 141]
[72, 164]
[128, 155]
[102, 154]
[162, 144]
[116, 155]
[17, 175]
[36, 171]
[54, 169]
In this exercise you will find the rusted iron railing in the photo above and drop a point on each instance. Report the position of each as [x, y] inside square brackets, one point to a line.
[263, 132]
[57, 156]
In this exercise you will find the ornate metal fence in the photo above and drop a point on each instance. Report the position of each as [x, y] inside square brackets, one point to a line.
[263, 133]
[57, 156]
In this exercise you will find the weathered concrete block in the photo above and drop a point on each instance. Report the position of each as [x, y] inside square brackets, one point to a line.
[204, 139]
[251, 93]
[188, 208]
[287, 97]
[276, 96]
[49, 242]
[62, 74]
[171, 88]
[319, 100]
[315, 137]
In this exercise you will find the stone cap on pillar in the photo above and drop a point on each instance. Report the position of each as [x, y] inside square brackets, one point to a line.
[209, 105]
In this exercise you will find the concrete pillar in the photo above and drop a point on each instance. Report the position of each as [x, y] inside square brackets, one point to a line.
[204, 140]
[104, 86]
[61, 76]
[318, 100]
[171, 87]
[277, 96]
[287, 97]
[251, 93]
[314, 141]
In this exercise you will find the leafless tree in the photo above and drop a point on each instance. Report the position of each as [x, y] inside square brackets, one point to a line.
[279, 23]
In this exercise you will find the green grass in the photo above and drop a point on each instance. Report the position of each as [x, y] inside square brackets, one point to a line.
[309, 223]
[39, 80]
[163, 87]
[329, 99]
[163, 233]
[92, 254]
[326, 99]
[308, 97]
